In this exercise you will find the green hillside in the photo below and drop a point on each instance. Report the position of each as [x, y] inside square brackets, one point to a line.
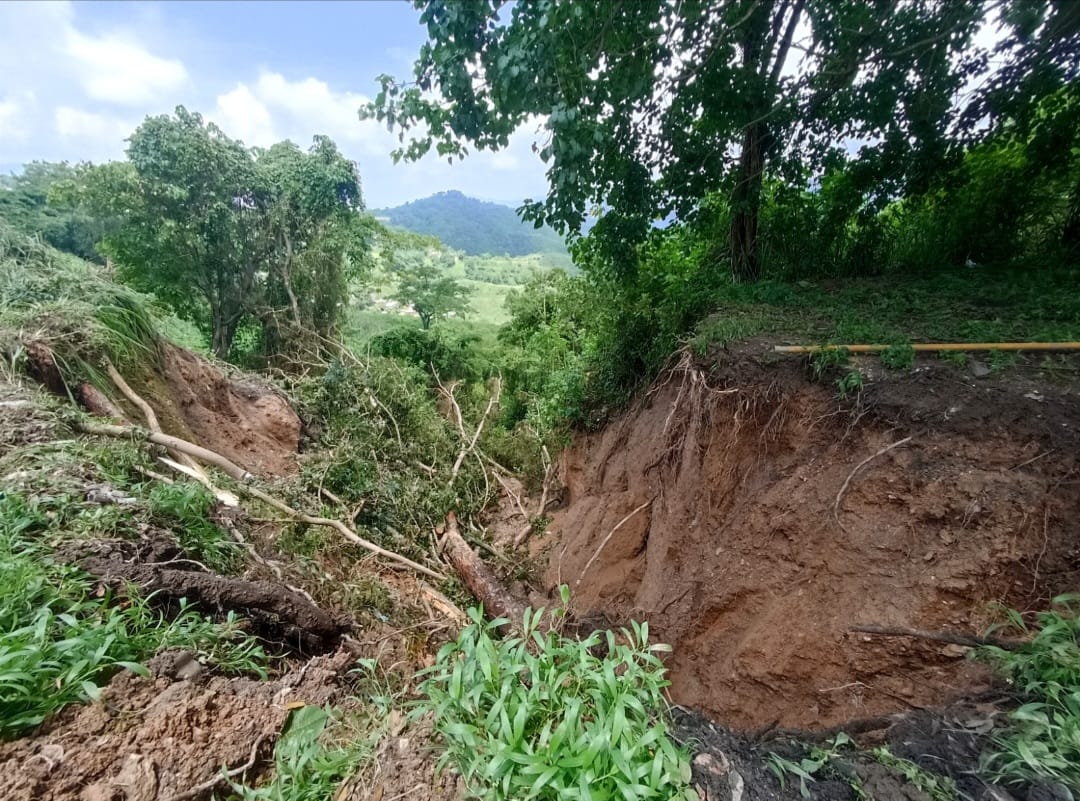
[473, 226]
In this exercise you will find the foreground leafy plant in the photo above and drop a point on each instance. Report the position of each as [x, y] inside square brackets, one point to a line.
[540, 716]
[304, 770]
[809, 767]
[59, 641]
[1043, 741]
[939, 788]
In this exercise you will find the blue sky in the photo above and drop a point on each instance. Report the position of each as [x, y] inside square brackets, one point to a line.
[77, 78]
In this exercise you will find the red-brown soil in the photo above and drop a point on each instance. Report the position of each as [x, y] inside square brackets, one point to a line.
[736, 558]
[155, 738]
[243, 419]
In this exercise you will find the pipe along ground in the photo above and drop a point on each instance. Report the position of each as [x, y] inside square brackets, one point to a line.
[938, 346]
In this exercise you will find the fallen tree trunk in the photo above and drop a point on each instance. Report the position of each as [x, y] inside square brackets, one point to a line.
[481, 581]
[276, 613]
[98, 403]
[170, 442]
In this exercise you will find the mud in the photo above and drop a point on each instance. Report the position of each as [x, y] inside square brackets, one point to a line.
[736, 556]
[405, 768]
[156, 738]
[248, 421]
[277, 614]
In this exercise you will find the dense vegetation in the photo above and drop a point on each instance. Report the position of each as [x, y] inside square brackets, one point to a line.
[473, 226]
[825, 172]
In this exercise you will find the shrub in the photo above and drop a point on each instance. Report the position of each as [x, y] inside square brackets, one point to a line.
[1043, 741]
[541, 716]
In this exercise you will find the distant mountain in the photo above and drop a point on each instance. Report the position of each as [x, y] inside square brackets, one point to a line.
[473, 226]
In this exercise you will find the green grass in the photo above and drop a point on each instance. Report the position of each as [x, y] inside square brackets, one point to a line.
[541, 716]
[979, 305]
[60, 641]
[304, 768]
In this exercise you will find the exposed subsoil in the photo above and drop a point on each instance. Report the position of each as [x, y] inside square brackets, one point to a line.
[710, 509]
[246, 420]
[156, 738]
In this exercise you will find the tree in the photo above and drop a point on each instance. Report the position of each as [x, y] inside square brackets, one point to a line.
[648, 107]
[24, 204]
[223, 233]
[314, 237]
[424, 286]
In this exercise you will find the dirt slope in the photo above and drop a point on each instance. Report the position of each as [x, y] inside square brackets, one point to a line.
[736, 558]
[241, 418]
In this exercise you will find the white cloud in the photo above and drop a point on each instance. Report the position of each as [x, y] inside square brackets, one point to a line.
[99, 136]
[298, 110]
[243, 116]
[116, 70]
[11, 119]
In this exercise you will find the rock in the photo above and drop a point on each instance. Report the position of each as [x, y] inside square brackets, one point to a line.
[953, 651]
[138, 778]
[737, 785]
[1044, 790]
[978, 369]
[714, 765]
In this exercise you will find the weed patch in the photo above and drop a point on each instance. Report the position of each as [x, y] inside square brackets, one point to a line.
[540, 716]
[60, 640]
[1043, 739]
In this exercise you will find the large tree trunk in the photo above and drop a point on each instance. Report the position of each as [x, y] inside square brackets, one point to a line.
[746, 204]
[224, 332]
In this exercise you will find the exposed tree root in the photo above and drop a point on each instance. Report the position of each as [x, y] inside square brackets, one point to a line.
[851, 475]
[610, 534]
[484, 585]
[277, 613]
[951, 638]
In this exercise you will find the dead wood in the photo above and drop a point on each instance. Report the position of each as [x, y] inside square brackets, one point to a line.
[470, 446]
[341, 528]
[225, 775]
[851, 475]
[149, 415]
[168, 441]
[967, 640]
[98, 403]
[276, 613]
[481, 581]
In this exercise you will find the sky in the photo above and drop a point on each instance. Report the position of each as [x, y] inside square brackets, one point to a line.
[76, 78]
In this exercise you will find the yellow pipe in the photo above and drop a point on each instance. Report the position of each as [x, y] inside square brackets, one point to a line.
[932, 347]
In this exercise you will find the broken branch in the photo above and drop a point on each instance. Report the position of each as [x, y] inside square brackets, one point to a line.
[951, 638]
[168, 441]
[225, 775]
[471, 446]
[349, 535]
[851, 475]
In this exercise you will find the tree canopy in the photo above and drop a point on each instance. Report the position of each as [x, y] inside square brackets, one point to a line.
[24, 206]
[423, 285]
[224, 233]
[647, 108]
